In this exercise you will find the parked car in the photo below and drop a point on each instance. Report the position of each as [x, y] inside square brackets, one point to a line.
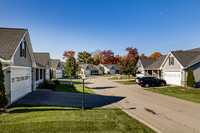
[151, 81]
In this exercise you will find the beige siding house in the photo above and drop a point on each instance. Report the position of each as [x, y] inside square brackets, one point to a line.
[17, 57]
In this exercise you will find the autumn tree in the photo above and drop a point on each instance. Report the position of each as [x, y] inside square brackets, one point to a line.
[143, 56]
[97, 57]
[67, 54]
[179, 50]
[3, 99]
[155, 55]
[84, 57]
[128, 66]
[108, 57]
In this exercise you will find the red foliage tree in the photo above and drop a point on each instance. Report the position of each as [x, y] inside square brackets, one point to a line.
[108, 57]
[132, 54]
[67, 54]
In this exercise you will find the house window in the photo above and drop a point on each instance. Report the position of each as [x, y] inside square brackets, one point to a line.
[171, 60]
[23, 49]
[41, 74]
[17, 79]
[37, 74]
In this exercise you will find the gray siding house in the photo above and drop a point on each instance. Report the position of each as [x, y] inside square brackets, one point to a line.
[90, 69]
[176, 65]
[111, 68]
[58, 68]
[42, 70]
[16, 56]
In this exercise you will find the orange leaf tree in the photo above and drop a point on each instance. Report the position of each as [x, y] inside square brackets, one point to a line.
[155, 55]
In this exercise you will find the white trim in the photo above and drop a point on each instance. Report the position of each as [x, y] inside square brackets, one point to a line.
[20, 67]
[5, 61]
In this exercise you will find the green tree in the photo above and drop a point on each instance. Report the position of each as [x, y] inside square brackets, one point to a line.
[128, 67]
[102, 70]
[84, 57]
[3, 99]
[190, 78]
[71, 68]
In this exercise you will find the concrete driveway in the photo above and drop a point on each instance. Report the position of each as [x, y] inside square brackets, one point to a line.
[161, 113]
[52, 98]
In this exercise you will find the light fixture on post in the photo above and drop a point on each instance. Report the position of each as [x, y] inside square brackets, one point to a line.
[83, 100]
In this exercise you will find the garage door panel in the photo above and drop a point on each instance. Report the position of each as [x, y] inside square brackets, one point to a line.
[21, 82]
[172, 77]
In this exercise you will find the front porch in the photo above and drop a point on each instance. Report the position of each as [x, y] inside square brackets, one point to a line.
[153, 73]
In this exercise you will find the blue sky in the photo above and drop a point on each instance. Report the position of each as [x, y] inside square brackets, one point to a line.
[88, 25]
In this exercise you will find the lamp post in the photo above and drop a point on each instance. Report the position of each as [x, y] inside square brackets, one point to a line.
[83, 100]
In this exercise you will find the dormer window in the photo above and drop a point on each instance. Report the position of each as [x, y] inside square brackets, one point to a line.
[23, 49]
[171, 60]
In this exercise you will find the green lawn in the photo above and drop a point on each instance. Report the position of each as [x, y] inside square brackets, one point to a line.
[67, 80]
[76, 88]
[131, 82]
[123, 77]
[179, 92]
[67, 119]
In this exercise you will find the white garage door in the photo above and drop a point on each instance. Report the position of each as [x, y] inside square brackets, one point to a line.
[59, 74]
[87, 72]
[172, 77]
[21, 82]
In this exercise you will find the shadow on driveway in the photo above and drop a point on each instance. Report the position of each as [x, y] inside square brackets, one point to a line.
[67, 99]
[108, 87]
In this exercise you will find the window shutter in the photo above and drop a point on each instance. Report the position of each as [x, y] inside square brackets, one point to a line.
[21, 50]
[172, 60]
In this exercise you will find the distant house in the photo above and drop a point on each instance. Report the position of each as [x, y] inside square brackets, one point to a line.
[57, 67]
[42, 70]
[173, 67]
[111, 68]
[176, 64]
[16, 56]
[90, 69]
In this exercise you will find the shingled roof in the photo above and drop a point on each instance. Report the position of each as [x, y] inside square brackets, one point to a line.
[87, 66]
[146, 62]
[157, 63]
[54, 63]
[187, 58]
[42, 59]
[109, 66]
[9, 41]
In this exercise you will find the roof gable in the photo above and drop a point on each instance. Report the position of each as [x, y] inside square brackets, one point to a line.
[10, 38]
[42, 59]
